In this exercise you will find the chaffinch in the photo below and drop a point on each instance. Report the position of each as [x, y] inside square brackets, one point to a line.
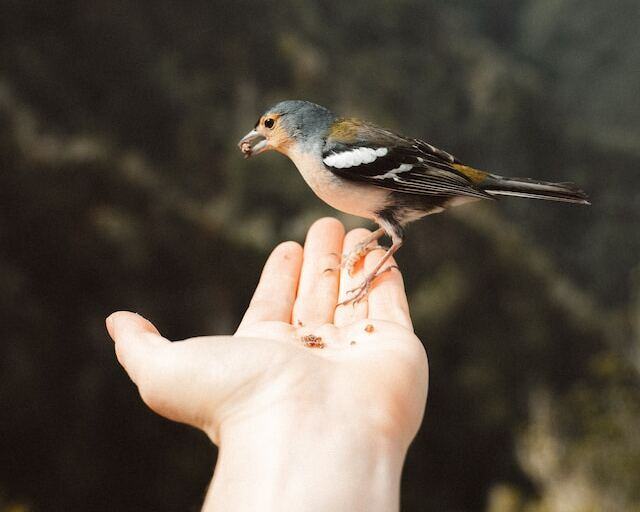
[364, 170]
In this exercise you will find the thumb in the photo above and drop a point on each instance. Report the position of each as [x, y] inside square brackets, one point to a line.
[163, 371]
[138, 344]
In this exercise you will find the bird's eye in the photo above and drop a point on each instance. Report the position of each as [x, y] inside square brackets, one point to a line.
[269, 123]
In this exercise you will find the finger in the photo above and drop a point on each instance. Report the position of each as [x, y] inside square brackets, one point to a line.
[276, 292]
[138, 343]
[348, 313]
[319, 279]
[387, 298]
[169, 376]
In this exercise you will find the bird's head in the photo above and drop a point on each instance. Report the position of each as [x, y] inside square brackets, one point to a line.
[285, 126]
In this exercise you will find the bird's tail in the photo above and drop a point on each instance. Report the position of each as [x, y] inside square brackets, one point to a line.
[524, 187]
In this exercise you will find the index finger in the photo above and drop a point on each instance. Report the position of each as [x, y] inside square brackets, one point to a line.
[276, 292]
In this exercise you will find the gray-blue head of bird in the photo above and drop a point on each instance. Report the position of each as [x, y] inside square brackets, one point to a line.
[285, 125]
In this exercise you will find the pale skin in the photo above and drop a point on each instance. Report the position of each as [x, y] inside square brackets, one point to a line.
[299, 428]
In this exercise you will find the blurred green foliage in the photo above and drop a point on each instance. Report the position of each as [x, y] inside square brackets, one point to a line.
[121, 188]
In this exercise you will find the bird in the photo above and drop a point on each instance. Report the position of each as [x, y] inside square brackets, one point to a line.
[362, 169]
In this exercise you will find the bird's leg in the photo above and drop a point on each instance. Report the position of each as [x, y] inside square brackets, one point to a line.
[361, 249]
[362, 290]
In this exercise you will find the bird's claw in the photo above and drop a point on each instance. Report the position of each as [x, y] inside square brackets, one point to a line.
[353, 257]
[362, 290]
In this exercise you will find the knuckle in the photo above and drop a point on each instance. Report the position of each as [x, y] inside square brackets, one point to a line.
[328, 261]
[152, 390]
[147, 389]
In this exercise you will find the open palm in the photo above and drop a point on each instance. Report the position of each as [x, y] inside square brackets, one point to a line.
[295, 351]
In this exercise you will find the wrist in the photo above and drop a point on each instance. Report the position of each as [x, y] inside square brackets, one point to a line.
[306, 461]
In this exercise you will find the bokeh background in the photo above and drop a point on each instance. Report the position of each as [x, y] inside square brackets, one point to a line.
[121, 187]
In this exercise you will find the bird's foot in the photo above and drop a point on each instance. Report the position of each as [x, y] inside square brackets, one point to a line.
[359, 251]
[360, 292]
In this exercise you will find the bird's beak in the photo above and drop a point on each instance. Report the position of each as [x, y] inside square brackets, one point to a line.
[252, 144]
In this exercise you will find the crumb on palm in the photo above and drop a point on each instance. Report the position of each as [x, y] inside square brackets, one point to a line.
[312, 341]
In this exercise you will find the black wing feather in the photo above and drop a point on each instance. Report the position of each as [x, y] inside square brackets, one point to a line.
[431, 172]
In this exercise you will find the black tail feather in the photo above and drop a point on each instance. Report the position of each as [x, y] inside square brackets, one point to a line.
[524, 187]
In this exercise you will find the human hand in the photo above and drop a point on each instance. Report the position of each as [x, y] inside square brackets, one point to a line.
[357, 396]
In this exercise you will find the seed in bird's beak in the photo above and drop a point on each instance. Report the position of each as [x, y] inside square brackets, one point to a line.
[245, 147]
[252, 144]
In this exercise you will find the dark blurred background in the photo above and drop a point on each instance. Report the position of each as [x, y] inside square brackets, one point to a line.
[121, 187]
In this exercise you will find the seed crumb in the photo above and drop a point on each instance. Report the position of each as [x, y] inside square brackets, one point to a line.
[312, 341]
[368, 328]
[352, 342]
[300, 323]
[246, 149]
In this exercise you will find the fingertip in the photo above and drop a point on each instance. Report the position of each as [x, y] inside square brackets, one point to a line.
[287, 250]
[138, 344]
[115, 321]
[330, 224]
[109, 324]
[355, 236]
[284, 255]
[323, 233]
[122, 322]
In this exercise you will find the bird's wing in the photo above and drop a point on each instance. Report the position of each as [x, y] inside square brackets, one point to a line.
[359, 151]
